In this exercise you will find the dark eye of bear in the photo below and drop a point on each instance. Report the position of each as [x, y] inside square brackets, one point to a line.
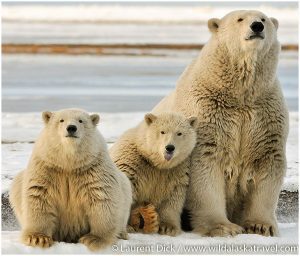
[179, 134]
[61, 120]
[263, 20]
[80, 121]
[240, 19]
[162, 132]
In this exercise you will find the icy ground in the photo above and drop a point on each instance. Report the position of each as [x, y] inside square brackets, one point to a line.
[20, 130]
[185, 243]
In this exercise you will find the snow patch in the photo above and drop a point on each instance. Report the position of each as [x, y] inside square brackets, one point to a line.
[287, 241]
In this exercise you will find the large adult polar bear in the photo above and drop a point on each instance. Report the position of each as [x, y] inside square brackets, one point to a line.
[239, 162]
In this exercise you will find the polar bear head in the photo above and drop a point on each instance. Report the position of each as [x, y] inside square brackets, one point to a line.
[245, 31]
[70, 132]
[170, 139]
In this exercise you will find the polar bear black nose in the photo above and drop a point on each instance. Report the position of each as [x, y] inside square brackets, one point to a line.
[170, 148]
[71, 128]
[257, 26]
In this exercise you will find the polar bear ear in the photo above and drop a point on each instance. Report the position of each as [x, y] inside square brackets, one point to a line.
[95, 118]
[213, 24]
[275, 22]
[193, 121]
[150, 118]
[46, 116]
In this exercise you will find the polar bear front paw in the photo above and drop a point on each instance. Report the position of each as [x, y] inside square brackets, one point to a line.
[37, 240]
[168, 229]
[95, 243]
[123, 235]
[228, 229]
[263, 229]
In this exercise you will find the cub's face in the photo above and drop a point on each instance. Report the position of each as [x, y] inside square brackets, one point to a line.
[70, 127]
[245, 30]
[170, 138]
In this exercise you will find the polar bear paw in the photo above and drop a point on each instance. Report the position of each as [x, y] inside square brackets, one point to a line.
[37, 240]
[260, 228]
[168, 229]
[95, 243]
[144, 219]
[228, 229]
[123, 235]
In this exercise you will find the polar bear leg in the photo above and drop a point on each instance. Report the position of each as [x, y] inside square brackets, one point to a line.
[206, 201]
[28, 237]
[259, 214]
[127, 202]
[104, 231]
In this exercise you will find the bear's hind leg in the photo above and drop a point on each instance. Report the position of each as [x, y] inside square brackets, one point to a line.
[15, 196]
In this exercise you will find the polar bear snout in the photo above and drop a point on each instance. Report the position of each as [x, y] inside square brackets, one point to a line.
[169, 152]
[71, 129]
[170, 148]
[257, 27]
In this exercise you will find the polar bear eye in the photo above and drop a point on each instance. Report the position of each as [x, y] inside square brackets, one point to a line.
[162, 132]
[61, 120]
[179, 134]
[240, 19]
[80, 121]
[263, 20]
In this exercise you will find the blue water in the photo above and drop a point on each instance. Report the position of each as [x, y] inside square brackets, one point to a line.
[34, 83]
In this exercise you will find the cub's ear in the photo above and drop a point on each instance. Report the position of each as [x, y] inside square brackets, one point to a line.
[150, 118]
[193, 121]
[46, 116]
[95, 118]
[213, 25]
[275, 22]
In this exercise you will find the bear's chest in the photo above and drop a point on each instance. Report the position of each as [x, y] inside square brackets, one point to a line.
[156, 185]
[224, 133]
[71, 207]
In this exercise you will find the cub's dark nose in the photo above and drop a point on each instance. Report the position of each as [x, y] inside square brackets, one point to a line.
[71, 128]
[257, 27]
[170, 148]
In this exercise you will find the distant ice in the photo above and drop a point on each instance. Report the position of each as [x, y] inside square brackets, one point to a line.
[138, 13]
[137, 24]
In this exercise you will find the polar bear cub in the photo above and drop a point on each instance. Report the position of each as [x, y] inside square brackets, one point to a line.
[71, 190]
[155, 157]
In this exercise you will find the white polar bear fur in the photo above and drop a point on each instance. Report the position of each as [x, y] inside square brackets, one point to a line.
[71, 190]
[163, 183]
[239, 162]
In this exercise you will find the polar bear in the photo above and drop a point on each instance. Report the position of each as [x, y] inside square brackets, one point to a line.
[155, 157]
[71, 190]
[239, 162]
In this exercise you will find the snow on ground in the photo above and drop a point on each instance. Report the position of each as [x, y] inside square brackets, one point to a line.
[25, 127]
[186, 243]
[19, 130]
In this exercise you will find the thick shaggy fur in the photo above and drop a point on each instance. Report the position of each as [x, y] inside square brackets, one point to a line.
[139, 153]
[239, 162]
[71, 190]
